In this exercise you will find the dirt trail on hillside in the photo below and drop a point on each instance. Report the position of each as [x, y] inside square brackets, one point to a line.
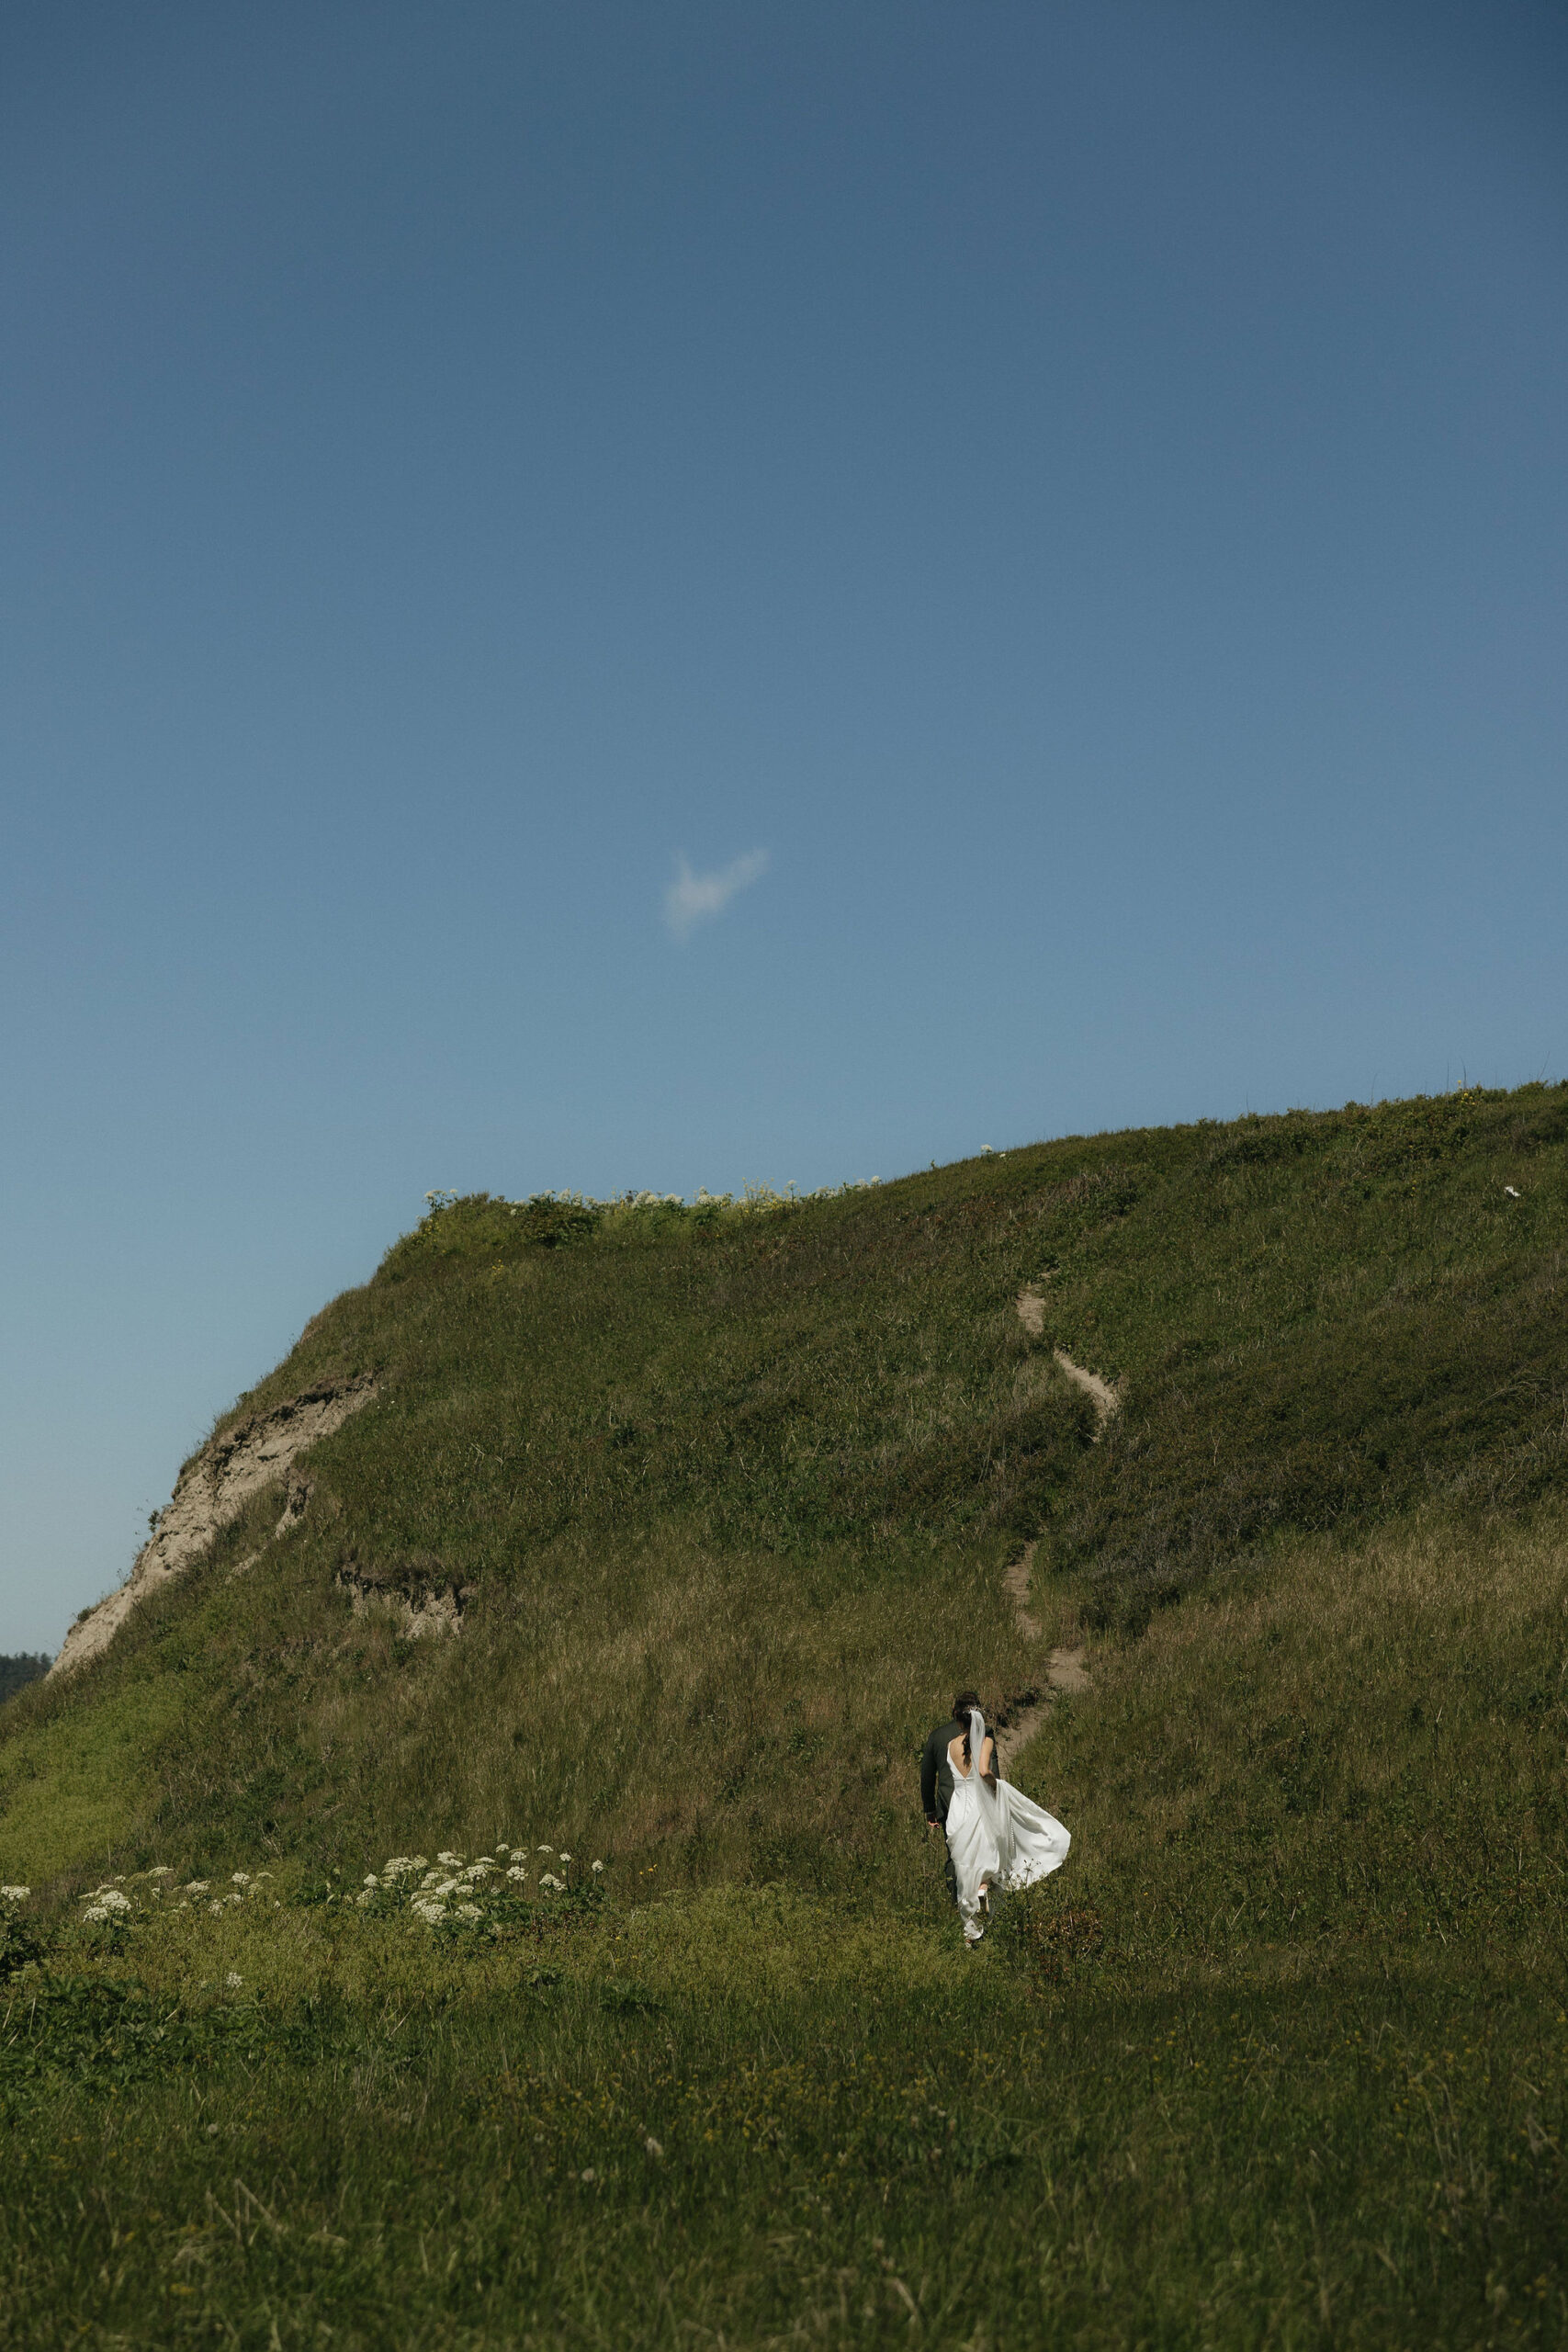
[1064, 1667]
[1105, 1398]
[213, 1490]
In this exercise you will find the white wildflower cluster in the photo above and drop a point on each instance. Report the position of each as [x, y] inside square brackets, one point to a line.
[380, 1884]
[143, 1895]
[446, 1894]
[14, 1894]
[492, 1890]
[107, 1903]
[455, 1891]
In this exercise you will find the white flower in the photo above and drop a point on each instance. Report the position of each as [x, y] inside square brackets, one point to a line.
[544, 1850]
[432, 1913]
[371, 1879]
[239, 1878]
[517, 1871]
[230, 1899]
[107, 1899]
[453, 1862]
[501, 1847]
[566, 1857]
[469, 1911]
[655, 2147]
[556, 1887]
[161, 1871]
[94, 1911]
[198, 1885]
[217, 1909]
[234, 1980]
[596, 1868]
[15, 1894]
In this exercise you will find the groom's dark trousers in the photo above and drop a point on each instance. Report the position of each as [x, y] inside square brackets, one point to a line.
[936, 1788]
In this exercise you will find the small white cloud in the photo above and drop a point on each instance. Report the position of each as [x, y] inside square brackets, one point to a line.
[692, 898]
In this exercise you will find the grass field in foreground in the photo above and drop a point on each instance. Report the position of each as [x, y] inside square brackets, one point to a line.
[1278, 2060]
[1339, 2157]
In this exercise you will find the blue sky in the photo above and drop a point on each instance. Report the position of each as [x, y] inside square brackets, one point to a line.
[1043, 526]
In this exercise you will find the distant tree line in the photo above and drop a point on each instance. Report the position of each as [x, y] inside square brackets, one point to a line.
[25, 1667]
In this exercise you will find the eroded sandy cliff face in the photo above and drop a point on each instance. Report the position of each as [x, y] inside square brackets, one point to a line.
[212, 1490]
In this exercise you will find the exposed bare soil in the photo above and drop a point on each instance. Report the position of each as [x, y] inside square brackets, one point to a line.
[212, 1490]
[1065, 1670]
[1064, 1667]
[423, 1595]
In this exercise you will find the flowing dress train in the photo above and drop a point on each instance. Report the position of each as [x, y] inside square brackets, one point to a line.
[998, 1837]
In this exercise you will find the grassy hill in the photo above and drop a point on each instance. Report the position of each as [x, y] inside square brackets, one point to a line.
[721, 1498]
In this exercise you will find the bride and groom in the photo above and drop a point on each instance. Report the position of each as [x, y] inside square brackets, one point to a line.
[998, 1839]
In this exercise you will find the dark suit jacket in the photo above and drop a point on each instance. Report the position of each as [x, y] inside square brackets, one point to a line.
[936, 1769]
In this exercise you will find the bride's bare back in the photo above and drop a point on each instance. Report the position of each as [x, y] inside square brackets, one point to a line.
[987, 1759]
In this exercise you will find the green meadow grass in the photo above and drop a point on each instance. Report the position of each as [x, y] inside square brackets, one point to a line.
[77, 1783]
[1277, 2058]
[1355, 2162]
[1293, 2074]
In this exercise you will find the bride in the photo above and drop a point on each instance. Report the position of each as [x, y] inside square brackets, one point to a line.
[996, 1837]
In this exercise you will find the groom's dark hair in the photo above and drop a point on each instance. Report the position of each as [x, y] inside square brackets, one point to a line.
[962, 1705]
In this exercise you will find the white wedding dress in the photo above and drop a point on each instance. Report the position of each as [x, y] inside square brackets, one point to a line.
[998, 1837]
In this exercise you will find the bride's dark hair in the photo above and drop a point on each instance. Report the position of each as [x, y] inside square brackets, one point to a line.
[961, 1706]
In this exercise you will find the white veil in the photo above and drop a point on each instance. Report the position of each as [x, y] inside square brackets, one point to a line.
[988, 1798]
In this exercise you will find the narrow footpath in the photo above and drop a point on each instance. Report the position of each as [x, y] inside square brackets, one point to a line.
[1064, 1667]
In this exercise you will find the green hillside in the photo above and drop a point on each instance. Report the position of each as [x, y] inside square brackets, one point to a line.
[665, 1535]
[727, 1489]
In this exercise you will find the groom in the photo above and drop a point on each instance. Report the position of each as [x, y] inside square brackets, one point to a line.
[936, 1773]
